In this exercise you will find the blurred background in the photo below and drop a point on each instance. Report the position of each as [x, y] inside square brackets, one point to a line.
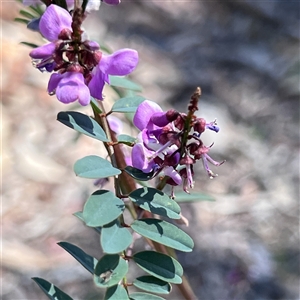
[245, 57]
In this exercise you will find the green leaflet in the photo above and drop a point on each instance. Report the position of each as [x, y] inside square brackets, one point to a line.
[159, 265]
[155, 201]
[164, 233]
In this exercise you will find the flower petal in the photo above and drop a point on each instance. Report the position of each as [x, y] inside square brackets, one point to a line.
[96, 84]
[140, 159]
[144, 112]
[53, 21]
[53, 82]
[115, 124]
[169, 171]
[42, 52]
[71, 88]
[121, 62]
[112, 2]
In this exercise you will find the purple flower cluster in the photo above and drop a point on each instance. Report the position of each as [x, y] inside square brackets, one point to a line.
[82, 70]
[161, 146]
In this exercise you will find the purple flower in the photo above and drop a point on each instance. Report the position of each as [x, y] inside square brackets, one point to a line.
[69, 87]
[82, 70]
[53, 22]
[115, 124]
[163, 144]
[120, 63]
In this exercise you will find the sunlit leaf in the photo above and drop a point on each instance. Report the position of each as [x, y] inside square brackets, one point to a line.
[159, 265]
[126, 139]
[89, 262]
[163, 233]
[144, 296]
[128, 104]
[94, 167]
[110, 270]
[152, 284]
[83, 124]
[116, 292]
[26, 14]
[138, 174]
[29, 44]
[21, 20]
[156, 202]
[95, 106]
[193, 197]
[53, 292]
[102, 208]
[79, 215]
[124, 83]
[115, 238]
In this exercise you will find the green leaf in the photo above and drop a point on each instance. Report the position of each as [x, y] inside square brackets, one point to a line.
[36, 9]
[79, 215]
[144, 296]
[124, 83]
[152, 284]
[29, 44]
[94, 167]
[20, 20]
[159, 265]
[138, 174]
[163, 233]
[110, 270]
[116, 292]
[27, 14]
[102, 208]
[128, 104]
[87, 261]
[126, 139]
[83, 124]
[156, 202]
[115, 238]
[194, 197]
[53, 292]
[95, 106]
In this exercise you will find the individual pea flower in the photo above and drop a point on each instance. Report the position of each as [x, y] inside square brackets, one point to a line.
[80, 70]
[164, 145]
[120, 63]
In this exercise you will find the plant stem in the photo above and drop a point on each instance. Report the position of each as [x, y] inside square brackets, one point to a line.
[127, 185]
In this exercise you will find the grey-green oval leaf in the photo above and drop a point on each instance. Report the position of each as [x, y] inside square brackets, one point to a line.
[52, 291]
[127, 104]
[152, 284]
[94, 167]
[159, 265]
[87, 261]
[102, 208]
[110, 270]
[124, 83]
[83, 124]
[193, 197]
[138, 174]
[115, 238]
[126, 139]
[155, 201]
[144, 296]
[116, 292]
[164, 233]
